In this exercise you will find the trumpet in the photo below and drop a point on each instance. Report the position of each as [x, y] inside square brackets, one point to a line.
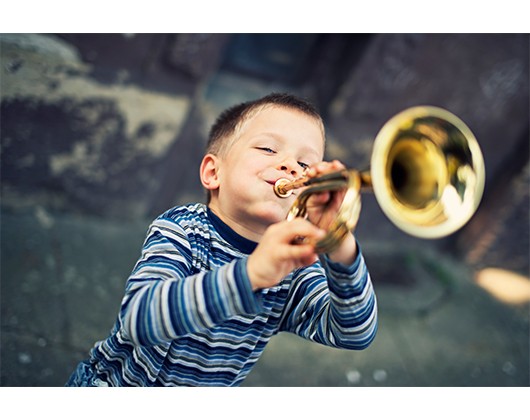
[426, 171]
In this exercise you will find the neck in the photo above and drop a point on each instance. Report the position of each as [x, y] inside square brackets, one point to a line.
[252, 233]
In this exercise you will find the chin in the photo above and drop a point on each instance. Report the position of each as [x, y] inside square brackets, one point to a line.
[272, 213]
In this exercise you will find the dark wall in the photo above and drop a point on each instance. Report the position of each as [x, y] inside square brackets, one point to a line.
[114, 125]
[99, 133]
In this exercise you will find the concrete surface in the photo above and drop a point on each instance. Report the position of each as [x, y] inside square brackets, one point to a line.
[62, 279]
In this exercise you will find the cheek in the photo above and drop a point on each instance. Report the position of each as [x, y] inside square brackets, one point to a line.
[256, 165]
[241, 175]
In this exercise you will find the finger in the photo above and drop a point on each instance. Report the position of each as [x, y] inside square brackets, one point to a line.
[319, 168]
[338, 165]
[325, 201]
[298, 225]
[304, 262]
[302, 227]
[300, 254]
[325, 167]
[318, 199]
[336, 199]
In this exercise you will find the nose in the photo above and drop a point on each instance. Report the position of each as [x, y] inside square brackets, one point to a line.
[291, 167]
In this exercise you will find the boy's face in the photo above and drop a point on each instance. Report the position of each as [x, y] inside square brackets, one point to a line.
[276, 143]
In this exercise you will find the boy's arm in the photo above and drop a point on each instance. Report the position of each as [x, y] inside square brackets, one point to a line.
[166, 297]
[333, 304]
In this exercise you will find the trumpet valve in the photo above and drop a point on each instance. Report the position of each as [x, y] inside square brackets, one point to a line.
[280, 188]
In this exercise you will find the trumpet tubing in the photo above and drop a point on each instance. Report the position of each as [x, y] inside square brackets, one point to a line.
[426, 171]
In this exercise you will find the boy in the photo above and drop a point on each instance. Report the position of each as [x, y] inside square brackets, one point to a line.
[214, 283]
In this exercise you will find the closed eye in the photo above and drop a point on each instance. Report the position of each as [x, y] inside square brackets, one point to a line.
[266, 149]
[303, 165]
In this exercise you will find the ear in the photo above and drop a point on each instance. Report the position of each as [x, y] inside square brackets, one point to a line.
[210, 172]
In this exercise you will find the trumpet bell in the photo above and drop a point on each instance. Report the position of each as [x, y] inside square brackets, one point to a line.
[427, 172]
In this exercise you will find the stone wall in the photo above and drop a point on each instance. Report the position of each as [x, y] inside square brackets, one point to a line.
[99, 133]
[115, 125]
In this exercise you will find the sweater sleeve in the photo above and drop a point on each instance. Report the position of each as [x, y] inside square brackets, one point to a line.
[166, 297]
[333, 304]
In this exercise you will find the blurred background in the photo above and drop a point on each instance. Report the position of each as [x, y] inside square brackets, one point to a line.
[100, 133]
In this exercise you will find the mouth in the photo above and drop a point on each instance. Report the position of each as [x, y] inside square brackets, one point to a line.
[274, 181]
[273, 184]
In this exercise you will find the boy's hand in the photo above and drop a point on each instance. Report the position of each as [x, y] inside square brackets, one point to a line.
[322, 210]
[322, 207]
[277, 254]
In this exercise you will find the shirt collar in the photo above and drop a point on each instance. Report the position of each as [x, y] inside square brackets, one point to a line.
[243, 244]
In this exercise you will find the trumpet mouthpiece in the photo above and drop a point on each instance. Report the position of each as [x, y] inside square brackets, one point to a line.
[280, 188]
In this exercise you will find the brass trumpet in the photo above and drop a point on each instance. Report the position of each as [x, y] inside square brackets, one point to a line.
[426, 171]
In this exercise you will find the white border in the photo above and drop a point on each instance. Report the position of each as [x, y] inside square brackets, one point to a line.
[214, 16]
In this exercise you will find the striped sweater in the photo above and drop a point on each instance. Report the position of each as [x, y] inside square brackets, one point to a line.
[189, 316]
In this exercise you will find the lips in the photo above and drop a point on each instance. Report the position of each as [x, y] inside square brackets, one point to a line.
[277, 179]
[273, 184]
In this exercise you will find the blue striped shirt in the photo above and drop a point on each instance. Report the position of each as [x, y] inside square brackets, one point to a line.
[189, 316]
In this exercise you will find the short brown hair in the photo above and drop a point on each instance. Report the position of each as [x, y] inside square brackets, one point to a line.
[230, 121]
